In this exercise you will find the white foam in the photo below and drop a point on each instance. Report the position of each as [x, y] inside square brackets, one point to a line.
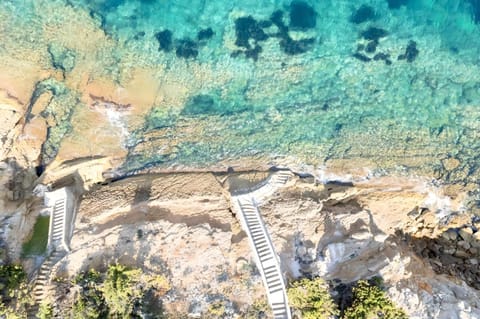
[116, 119]
[324, 176]
[438, 203]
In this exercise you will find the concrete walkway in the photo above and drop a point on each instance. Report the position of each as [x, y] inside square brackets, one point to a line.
[246, 206]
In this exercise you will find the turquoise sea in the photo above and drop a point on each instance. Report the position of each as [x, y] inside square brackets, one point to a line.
[394, 82]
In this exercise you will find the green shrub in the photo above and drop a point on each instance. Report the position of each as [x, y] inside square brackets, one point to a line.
[120, 293]
[90, 303]
[11, 276]
[45, 311]
[312, 299]
[89, 278]
[121, 290]
[14, 294]
[371, 302]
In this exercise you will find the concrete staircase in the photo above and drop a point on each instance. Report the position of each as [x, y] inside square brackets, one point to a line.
[267, 260]
[41, 280]
[57, 223]
[271, 185]
[56, 248]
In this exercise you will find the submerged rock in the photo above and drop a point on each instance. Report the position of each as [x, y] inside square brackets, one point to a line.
[374, 33]
[205, 34]
[200, 104]
[371, 46]
[383, 56]
[363, 14]
[186, 48]
[277, 19]
[396, 4]
[302, 15]
[411, 52]
[475, 4]
[265, 24]
[62, 58]
[293, 47]
[247, 28]
[253, 53]
[361, 57]
[165, 40]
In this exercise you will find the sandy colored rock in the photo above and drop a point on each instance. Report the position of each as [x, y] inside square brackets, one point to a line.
[450, 163]
[41, 103]
[30, 141]
[476, 240]
[466, 233]
[176, 225]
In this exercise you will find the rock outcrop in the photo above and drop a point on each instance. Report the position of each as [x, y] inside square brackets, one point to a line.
[180, 225]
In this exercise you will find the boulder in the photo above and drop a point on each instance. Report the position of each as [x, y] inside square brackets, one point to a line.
[466, 233]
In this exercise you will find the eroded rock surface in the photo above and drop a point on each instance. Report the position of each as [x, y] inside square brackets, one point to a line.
[181, 225]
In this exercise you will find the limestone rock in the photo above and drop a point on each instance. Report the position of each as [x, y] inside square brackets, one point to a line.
[30, 141]
[450, 163]
[476, 240]
[466, 233]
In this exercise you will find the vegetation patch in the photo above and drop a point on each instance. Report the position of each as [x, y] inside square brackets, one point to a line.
[121, 292]
[14, 295]
[370, 301]
[311, 299]
[37, 244]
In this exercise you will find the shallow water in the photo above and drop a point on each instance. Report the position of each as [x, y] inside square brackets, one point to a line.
[395, 82]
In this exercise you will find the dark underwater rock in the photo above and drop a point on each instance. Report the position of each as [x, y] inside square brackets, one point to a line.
[293, 47]
[475, 7]
[186, 48]
[200, 104]
[205, 34]
[247, 28]
[374, 33]
[211, 104]
[265, 24]
[371, 46]
[302, 15]
[277, 19]
[396, 4]
[61, 57]
[363, 14]
[361, 57]
[249, 54]
[383, 56]
[411, 52]
[165, 40]
[253, 53]
[236, 53]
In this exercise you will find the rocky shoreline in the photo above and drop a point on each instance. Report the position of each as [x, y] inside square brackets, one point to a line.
[340, 229]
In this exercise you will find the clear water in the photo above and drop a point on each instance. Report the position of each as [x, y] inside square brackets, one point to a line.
[318, 84]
